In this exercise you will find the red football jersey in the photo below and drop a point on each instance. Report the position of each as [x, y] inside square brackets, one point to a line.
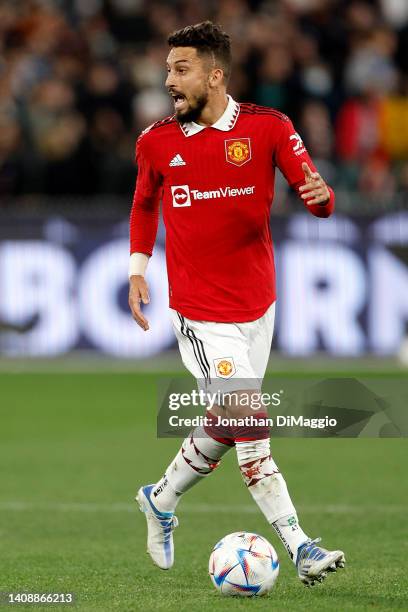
[216, 185]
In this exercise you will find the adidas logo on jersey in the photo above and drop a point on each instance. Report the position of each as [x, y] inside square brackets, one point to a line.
[177, 161]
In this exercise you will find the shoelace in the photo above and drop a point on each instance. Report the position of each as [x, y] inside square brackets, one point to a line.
[308, 549]
[169, 525]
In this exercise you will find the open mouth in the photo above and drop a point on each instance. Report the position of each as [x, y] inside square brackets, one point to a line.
[178, 100]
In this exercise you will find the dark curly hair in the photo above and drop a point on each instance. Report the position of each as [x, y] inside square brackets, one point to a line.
[209, 39]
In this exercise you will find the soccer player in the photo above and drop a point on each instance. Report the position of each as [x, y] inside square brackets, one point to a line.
[212, 165]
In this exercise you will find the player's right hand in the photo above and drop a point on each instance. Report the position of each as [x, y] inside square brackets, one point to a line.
[138, 293]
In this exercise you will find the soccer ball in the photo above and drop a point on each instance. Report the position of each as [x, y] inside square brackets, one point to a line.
[243, 564]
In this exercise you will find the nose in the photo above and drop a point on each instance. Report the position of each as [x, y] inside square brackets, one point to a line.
[169, 80]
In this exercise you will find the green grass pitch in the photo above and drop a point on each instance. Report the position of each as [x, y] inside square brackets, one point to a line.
[75, 448]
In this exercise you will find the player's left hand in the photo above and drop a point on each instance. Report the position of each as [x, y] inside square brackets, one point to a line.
[315, 190]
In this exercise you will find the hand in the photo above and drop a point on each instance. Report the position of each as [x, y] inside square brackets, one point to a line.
[314, 187]
[138, 292]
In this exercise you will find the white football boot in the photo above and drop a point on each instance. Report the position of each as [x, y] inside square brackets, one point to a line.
[314, 562]
[160, 527]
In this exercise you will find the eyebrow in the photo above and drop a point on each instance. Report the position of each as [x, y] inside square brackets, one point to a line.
[179, 61]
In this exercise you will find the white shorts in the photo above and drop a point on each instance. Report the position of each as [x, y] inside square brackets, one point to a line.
[235, 353]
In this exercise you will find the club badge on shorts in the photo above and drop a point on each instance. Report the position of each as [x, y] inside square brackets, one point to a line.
[224, 367]
[238, 151]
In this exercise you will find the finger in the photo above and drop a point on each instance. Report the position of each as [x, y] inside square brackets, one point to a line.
[318, 200]
[144, 293]
[320, 195]
[139, 318]
[307, 171]
[311, 184]
[141, 321]
[311, 193]
[138, 315]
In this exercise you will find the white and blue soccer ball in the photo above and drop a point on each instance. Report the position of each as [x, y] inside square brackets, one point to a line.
[243, 564]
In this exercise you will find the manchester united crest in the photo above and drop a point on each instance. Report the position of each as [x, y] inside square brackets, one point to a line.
[224, 367]
[238, 151]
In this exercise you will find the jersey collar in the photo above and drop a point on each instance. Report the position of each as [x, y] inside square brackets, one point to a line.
[225, 123]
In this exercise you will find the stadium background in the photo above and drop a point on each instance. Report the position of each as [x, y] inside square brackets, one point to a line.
[79, 79]
[78, 82]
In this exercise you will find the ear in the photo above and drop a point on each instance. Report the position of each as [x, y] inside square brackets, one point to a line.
[216, 77]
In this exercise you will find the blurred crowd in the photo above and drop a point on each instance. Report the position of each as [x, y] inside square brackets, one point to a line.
[79, 79]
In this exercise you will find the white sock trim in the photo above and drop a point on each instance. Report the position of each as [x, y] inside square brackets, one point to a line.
[252, 450]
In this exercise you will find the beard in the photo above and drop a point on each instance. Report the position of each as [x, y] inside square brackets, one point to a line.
[194, 109]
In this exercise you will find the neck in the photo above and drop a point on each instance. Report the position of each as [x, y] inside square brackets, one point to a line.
[213, 110]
